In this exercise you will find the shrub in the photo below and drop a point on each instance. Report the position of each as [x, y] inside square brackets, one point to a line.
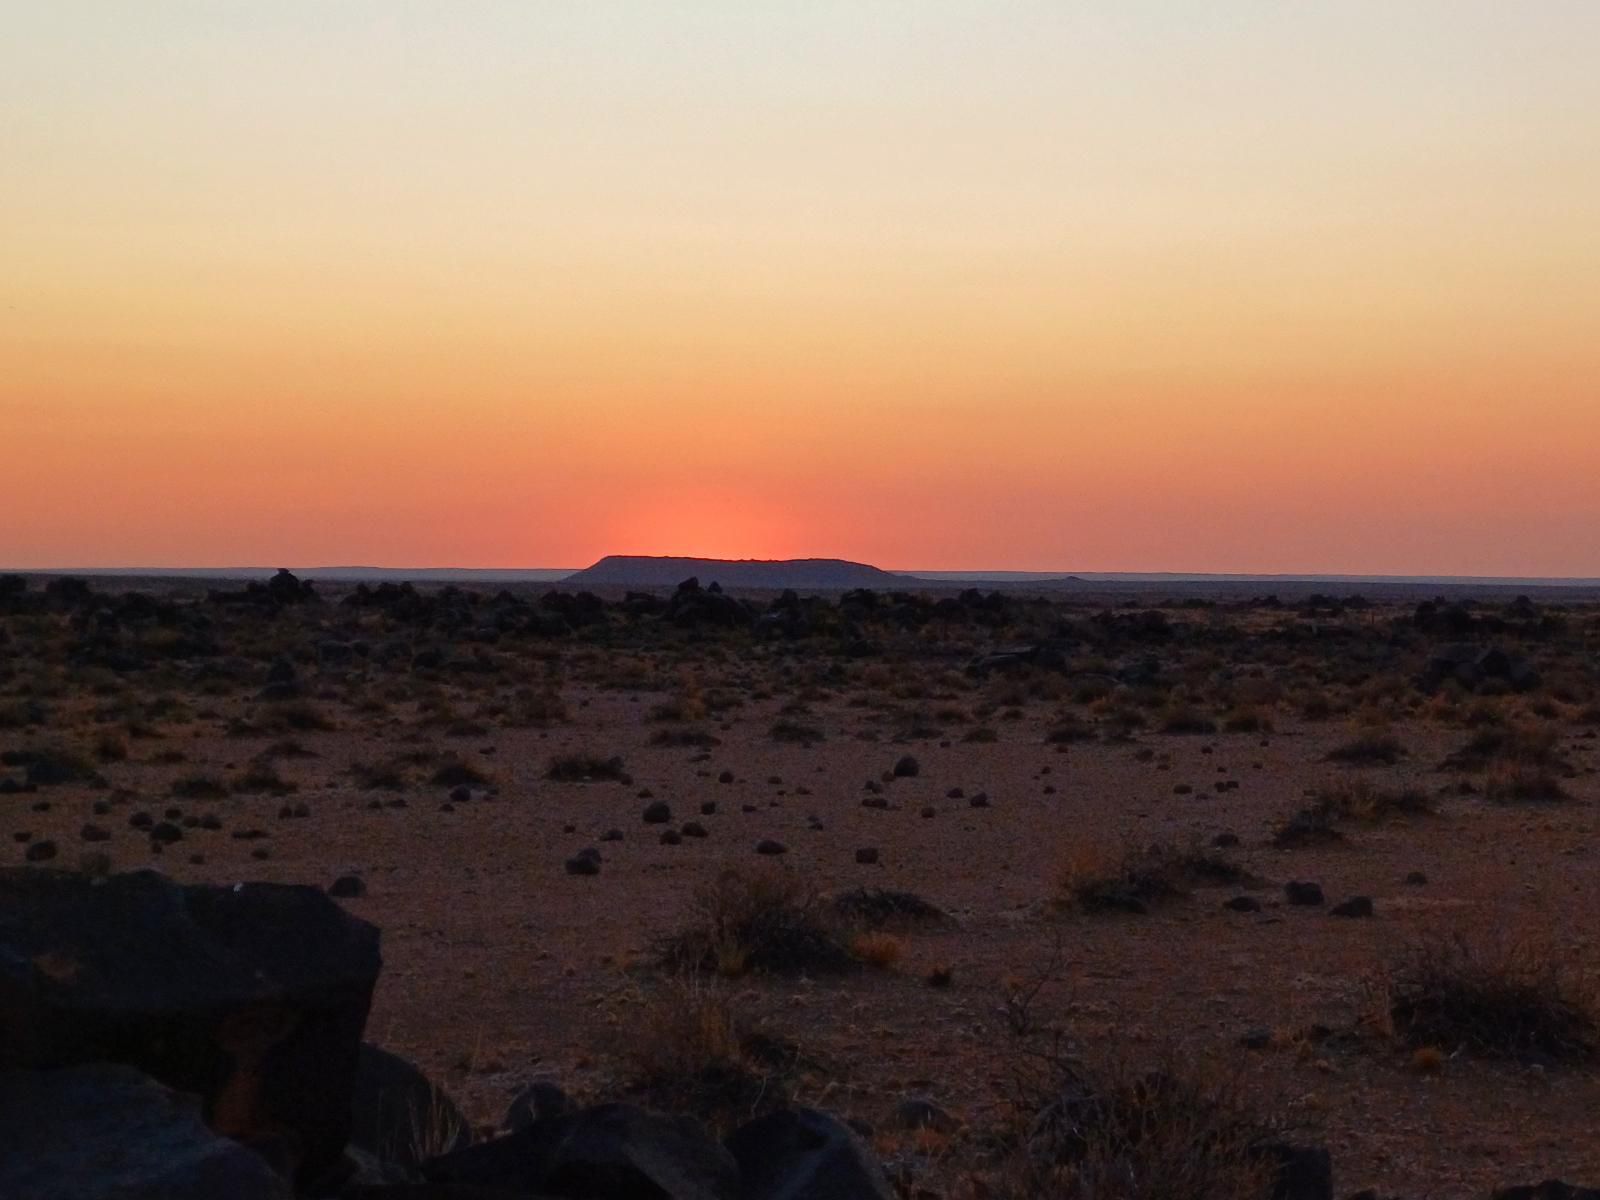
[757, 921]
[1095, 883]
[262, 779]
[1369, 749]
[298, 716]
[1181, 718]
[1178, 1132]
[794, 731]
[881, 906]
[1524, 785]
[1517, 1001]
[1353, 801]
[880, 950]
[693, 1051]
[586, 768]
[688, 737]
[1522, 745]
[199, 787]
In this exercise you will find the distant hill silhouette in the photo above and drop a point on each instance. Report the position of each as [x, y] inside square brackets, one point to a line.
[628, 570]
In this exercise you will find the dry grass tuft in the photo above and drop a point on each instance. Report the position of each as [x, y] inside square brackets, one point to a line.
[1096, 881]
[1512, 1000]
[760, 920]
[1179, 1132]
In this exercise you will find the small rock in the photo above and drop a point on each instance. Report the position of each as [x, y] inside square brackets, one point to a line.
[907, 767]
[769, 846]
[1356, 906]
[658, 813]
[1242, 904]
[1307, 895]
[348, 887]
[867, 855]
[584, 862]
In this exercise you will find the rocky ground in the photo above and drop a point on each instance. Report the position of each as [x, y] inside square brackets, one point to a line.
[542, 800]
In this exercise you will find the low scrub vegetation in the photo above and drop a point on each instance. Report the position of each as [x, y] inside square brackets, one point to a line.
[767, 921]
[1137, 878]
[1181, 1131]
[1520, 1001]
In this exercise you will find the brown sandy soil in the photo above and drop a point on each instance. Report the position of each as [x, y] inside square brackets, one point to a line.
[501, 968]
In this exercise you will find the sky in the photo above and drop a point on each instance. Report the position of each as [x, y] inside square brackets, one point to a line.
[1193, 285]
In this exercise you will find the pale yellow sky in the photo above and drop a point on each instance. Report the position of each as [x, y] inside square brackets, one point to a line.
[1128, 286]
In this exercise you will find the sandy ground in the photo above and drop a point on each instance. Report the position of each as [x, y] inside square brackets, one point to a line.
[501, 968]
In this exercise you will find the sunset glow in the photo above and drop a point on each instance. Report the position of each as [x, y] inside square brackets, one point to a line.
[1123, 287]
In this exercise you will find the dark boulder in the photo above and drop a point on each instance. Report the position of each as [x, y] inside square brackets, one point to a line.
[609, 1152]
[802, 1154]
[1301, 1172]
[399, 1115]
[539, 1101]
[107, 1132]
[252, 997]
[1304, 894]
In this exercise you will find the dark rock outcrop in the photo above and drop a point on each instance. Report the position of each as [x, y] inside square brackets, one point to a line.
[601, 1153]
[399, 1115]
[251, 997]
[107, 1132]
[802, 1154]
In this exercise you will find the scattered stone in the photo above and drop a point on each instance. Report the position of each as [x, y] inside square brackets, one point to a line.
[867, 855]
[671, 837]
[708, 808]
[658, 813]
[348, 887]
[1356, 906]
[41, 851]
[695, 830]
[584, 862]
[907, 767]
[769, 846]
[1225, 841]
[1306, 895]
[1242, 904]
[978, 800]
[1416, 879]
[1256, 1039]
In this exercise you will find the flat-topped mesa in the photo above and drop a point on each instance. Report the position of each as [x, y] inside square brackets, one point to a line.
[628, 570]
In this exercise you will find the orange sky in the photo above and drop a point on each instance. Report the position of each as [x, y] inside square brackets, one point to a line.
[1133, 286]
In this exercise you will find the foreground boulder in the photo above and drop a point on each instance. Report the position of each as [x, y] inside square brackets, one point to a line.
[251, 997]
[608, 1152]
[399, 1115]
[802, 1154]
[107, 1132]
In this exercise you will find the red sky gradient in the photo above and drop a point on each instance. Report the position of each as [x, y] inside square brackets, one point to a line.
[947, 288]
